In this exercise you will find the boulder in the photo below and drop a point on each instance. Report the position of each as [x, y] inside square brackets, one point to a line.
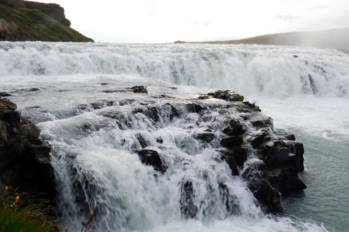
[228, 95]
[152, 158]
[204, 137]
[234, 128]
[139, 89]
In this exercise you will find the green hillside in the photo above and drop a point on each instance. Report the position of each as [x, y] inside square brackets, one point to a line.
[334, 38]
[31, 25]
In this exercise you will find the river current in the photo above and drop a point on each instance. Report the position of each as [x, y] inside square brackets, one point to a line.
[304, 90]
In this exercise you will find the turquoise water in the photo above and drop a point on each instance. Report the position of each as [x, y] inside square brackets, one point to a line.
[327, 177]
[322, 126]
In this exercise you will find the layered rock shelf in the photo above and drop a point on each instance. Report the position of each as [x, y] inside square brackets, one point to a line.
[241, 137]
[269, 161]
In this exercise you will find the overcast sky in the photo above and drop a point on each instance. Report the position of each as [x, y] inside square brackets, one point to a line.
[153, 21]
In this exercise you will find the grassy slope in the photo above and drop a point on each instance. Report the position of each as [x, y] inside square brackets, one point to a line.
[31, 25]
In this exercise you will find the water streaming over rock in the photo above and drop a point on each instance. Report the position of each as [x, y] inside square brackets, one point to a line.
[99, 129]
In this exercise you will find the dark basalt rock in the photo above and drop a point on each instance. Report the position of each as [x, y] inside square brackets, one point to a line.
[24, 158]
[6, 106]
[142, 141]
[254, 169]
[4, 94]
[252, 105]
[259, 137]
[285, 180]
[12, 118]
[139, 89]
[171, 111]
[122, 120]
[235, 158]
[231, 141]
[150, 112]
[234, 129]
[194, 108]
[228, 200]
[261, 121]
[228, 95]
[30, 132]
[188, 208]
[280, 153]
[267, 196]
[152, 158]
[205, 137]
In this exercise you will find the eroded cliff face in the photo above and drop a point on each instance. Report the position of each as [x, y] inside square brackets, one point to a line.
[12, 30]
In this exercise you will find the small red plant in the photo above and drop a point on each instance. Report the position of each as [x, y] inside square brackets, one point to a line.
[87, 225]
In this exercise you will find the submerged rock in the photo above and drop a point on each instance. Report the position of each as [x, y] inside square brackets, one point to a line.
[188, 208]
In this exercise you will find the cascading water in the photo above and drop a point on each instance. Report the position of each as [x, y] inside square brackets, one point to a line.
[95, 127]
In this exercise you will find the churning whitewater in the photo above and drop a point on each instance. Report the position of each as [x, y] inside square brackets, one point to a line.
[83, 92]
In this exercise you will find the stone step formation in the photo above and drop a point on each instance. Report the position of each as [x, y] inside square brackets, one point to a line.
[267, 160]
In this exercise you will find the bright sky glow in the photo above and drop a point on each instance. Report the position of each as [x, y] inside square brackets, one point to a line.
[153, 21]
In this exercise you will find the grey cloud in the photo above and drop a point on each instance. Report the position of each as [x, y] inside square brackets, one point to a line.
[285, 18]
[201, 24]
[318, 7]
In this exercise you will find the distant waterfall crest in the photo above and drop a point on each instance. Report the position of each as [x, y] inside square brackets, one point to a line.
[266, 70]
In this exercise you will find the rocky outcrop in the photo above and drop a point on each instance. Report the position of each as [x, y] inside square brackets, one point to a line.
[24, 156]
[279, 158]
[244, 139]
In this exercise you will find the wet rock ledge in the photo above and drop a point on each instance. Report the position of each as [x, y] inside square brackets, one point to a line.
[24, 156]
[268, 161]
[245, 139]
